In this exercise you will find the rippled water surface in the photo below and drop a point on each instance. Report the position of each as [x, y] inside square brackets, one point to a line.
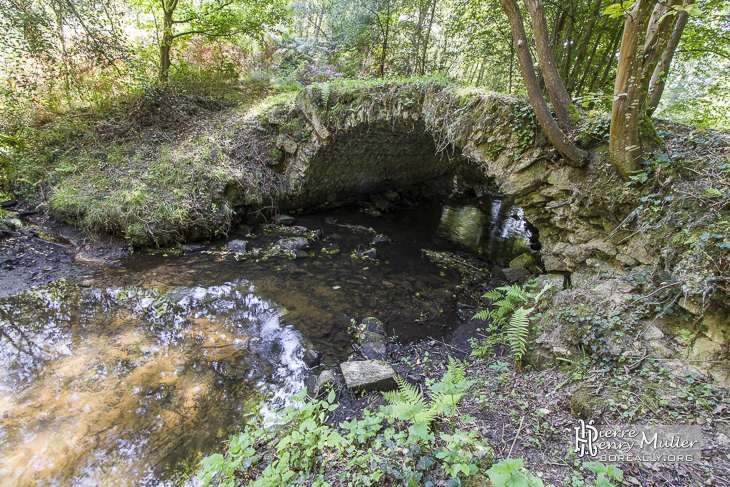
[132, 380]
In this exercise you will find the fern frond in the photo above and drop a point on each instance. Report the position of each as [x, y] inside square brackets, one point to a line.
[456, 371]
[407, 393]
[543, 291]
[484, 315]
[493, 295]
[517, 331]
[516, 292]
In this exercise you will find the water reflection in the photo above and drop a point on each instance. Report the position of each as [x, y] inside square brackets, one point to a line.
[495, 229]
[127, 380]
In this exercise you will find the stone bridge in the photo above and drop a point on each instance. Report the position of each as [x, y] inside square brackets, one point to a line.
[342, 142]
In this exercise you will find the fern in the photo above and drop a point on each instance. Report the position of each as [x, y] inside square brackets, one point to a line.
[509, 313]
[493, 295]
[517, 332]
[407, 403]
[325, 89]
[516, 293]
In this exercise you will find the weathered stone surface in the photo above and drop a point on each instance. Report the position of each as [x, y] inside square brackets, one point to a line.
[373, 345]
[523, 260]
[368, 375]
[293, 243]
[317, 384]
[236, 246]
[285, 220]
[652, 332]
[192, 248]
[374, 325]
[557, 280]
[286, 143]
[515, 274]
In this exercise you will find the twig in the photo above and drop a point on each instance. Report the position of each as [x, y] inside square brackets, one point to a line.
[658, 290]
[630, 217]
[630, 368]
[509, 455]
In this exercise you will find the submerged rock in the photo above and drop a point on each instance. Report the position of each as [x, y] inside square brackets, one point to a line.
[381, 239]
[312, 358]
[373, 325]
[369, 375]
[236, 246]
[285, 220]
[373, 345]
[192, 248]
[368, 254]
[293, 243]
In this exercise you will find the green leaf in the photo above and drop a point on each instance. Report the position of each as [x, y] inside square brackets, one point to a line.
[420, 430]
[713, 191]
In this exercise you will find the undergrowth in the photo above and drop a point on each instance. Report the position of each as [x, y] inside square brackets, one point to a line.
[300, 447]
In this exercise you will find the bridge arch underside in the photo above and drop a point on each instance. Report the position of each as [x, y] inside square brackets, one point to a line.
[373, 158]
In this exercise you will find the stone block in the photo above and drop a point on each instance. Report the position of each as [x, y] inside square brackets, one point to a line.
[369, 375]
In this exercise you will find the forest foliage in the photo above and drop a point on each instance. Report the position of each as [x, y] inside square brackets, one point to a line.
[67, 62]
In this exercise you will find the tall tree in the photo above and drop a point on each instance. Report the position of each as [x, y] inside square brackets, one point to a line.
[646, 40]
[562, 143]
[209, 18]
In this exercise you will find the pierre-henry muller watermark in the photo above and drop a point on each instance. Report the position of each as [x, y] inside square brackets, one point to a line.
[638, 443]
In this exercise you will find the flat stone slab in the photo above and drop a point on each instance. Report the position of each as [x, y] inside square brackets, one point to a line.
[369, 375]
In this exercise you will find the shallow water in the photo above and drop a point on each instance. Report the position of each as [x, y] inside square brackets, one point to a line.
[131, 381]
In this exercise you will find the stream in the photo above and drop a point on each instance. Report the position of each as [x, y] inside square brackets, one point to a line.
[133, 379]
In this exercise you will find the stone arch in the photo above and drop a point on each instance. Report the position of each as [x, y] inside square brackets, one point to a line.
[375, 137]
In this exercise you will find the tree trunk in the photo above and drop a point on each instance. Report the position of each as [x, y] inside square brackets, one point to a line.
[166, 43]
[583, 50]
[428, 39]
[658, 78]
[386, 33]
[627, 111]
[573, 156]
[554, 84]
[609, 63]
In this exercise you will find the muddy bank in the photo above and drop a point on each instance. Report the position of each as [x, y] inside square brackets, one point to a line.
[36, 249]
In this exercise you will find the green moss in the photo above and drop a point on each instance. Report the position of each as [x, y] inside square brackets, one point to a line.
[649, 136]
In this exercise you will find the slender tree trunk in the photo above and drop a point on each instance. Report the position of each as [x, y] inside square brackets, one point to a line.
[386, 33]
[167, 37]
[511, 63]
[554, 84]
[587, 70]
[569, 40]
[424, 55]
[609, 63]
[627, 111]
[584, 41]
[573, 156]
[658, 78]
